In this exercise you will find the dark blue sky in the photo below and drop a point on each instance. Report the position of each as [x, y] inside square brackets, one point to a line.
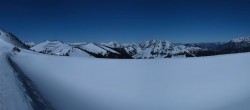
[126, 20]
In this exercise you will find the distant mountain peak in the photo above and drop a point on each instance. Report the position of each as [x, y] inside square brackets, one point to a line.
[241, 39]
[155, 44]
[112, 44]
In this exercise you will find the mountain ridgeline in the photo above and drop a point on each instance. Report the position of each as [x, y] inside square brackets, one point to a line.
[12, 39]
[146, 50]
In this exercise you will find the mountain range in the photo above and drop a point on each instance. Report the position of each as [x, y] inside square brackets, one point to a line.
[146, 50]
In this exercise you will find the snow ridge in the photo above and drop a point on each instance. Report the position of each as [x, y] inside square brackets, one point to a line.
[59, 48]
[11, 39]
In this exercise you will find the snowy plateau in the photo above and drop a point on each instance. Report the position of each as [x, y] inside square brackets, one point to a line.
[111, 76]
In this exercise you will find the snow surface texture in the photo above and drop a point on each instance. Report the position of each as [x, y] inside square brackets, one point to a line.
[11, 94]
[208, 83]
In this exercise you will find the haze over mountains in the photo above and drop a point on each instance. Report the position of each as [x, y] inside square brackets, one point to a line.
[145, 50]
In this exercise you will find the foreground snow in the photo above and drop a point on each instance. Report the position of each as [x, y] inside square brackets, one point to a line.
[11, 94]
[209, 83]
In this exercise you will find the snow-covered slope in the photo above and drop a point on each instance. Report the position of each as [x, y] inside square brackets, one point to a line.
[11, 39]
[130, 48]
[108, 49]
[98, 49]
[11, 94]
[94, 49]
[77, 44]
[113, 44]
[205, 83]
[102, 51]
[4, 44]
[30, 44]
[77, 49]
[59, 48]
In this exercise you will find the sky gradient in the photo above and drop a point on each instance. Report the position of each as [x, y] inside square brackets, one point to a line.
[126, 20]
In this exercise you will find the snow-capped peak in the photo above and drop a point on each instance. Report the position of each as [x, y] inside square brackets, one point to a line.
[30, 44]
[112, 44]
[241, 39]
[155, 43]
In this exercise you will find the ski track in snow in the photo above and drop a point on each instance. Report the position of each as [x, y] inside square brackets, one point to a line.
[17, 92]
[11, 95]
[32, 94]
